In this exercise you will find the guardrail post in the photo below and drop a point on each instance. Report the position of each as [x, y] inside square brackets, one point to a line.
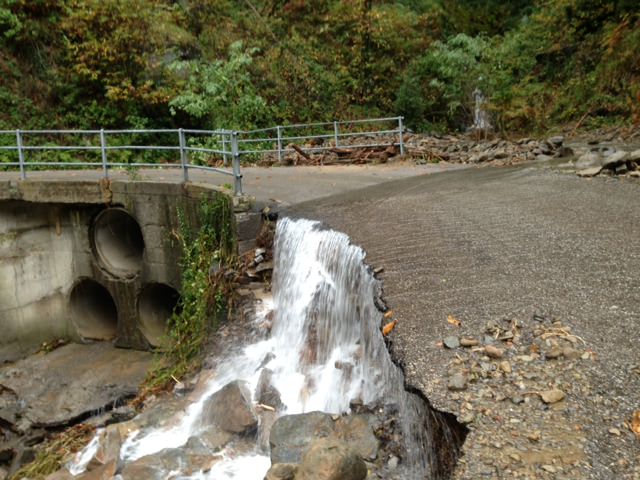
[336, 133]
[237, 176]
[103, 152]
[400, 128]
[225, 158]
[183, 155]
[279, 131]
[23, 173]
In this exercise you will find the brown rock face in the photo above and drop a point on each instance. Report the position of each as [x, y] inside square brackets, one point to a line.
[331, 460]
[231, 409]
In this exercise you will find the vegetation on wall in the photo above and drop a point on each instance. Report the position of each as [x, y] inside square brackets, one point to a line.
[253, 63]
[205, 294]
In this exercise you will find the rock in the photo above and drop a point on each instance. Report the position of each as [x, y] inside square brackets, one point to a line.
[505, 366]
[392, 464]
[264, 267]
[635, 156]
[615, 159]
[358, 432]
[266, 393]
[615, 431]
[564, 152]
[457, 382]
[109, 443]
[552, 396]
[159, 465]
[493, 352]
[556, 141]
[541, 157]
[210, 439]
[451, 342]
[553, 353]
[517, 399]
[329, 459]
[570, 353]
[590, 172]
[621, 169]
[291, 435]
[635, 174]
[282, 471]
[104, 472]
[469, 342]
[549, 468]
[3, 474]
[589, 160]
[231, 409]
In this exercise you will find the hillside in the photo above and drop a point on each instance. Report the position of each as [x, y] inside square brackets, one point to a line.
[209, 63]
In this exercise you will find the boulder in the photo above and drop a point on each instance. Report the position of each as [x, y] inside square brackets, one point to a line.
[291, 435]
[635, 156]
[231, 409]
[103, 472]
[282, 471]
[328, 459]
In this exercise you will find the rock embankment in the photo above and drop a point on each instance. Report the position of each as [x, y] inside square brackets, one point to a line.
[606, 160]
[499, 152]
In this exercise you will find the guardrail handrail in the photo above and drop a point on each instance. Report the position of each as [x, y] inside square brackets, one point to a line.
[233, 143]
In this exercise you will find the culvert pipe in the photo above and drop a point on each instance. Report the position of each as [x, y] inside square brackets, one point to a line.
[93, 310]
[156, 304]
[117, 242]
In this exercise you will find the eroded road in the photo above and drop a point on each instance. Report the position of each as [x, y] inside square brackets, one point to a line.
[494, 247]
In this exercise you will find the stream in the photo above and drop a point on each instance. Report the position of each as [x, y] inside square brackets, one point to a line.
[324, 352]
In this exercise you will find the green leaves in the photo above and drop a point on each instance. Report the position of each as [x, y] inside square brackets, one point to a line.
[221, 94]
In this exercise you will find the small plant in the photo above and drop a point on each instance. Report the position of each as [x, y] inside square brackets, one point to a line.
[206, 291]
[52, 454]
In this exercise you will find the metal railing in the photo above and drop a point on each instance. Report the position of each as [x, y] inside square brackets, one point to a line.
[329, 135]
[225, 144]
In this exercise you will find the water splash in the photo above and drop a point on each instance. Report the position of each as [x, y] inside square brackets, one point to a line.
[325, 350]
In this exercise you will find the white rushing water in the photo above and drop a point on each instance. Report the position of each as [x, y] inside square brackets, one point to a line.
[325, 348]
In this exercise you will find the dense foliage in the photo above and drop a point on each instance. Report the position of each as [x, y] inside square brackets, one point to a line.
[252, 63]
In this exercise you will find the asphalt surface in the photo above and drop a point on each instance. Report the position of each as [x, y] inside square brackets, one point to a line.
[484, 244]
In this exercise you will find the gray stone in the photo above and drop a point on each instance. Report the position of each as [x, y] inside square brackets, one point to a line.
[615, 159]
[451, 342]
[292, 434]
[329, 459]
[457, 382]
[552, 396]
[634, 156]
[556, 141]
[231, 409]
[590, 172]
[589, 160]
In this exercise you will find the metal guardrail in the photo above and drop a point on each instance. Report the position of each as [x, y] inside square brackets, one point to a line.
[233, 144]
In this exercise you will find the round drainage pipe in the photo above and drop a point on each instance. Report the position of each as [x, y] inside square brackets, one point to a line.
[156, 304]
[117, 242]
[93, 310]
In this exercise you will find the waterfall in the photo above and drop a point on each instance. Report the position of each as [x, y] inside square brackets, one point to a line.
[325, 350]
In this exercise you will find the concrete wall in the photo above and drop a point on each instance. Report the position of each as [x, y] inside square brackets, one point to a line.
[72, 264]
